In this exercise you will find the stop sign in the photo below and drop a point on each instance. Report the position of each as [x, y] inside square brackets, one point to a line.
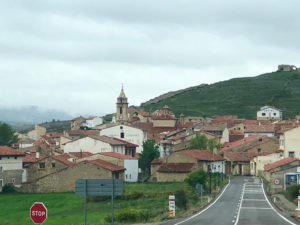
[38, 213]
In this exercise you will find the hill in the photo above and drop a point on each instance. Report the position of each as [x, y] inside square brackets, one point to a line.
[238, 96]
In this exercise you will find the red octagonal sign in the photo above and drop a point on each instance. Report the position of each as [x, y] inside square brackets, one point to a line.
[38, 213]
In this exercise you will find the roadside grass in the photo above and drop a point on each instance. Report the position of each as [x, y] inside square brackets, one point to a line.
[67, 208]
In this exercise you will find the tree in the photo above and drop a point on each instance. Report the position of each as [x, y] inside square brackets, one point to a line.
[212, 144]
[150, 152]
[198, 142]
[7, 136]
[197, 177]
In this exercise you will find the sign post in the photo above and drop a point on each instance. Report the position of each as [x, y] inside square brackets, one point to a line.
[38, 213]
[171, 205]
[99, 187]
[298, 209]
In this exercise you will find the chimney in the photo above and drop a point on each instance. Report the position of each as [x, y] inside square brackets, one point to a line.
[37, 155]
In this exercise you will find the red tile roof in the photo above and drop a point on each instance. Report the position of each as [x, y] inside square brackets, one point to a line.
[128, 144]
[105, 165]
[37, 143]
[107, 139]
[82, 132]
[230, 145]
[144, 114]
[91, 117]
[237, 156]
[279, 163]
[268, 128]
[117, 155]
[176, 167]
[77, 118]
[54, 134]
[8, 151]
[30, 157]
[62, 159]
[157, 161]
[203, 155]
[80, 155]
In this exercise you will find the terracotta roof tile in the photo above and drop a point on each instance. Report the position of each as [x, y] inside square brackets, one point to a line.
[269, 128]
[77, 118]
[157, 161]
[237, 156]
[176, 167]
[105, 165]
[30, 157]
[107, 139]
[62, 159]
[80, 155]
[128, 144]
[117, 155]
[82, 132]
[230, 145]
[279, 163]
[203, 155]
[8, 151]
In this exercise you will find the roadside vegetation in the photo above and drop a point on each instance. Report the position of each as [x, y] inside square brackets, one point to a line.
[141, 202]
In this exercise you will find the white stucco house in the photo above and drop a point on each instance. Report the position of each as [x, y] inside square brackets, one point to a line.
[127, 133]
[269, 113]
[10, 166]
[289, 142]
[95, 144]
[93, 121]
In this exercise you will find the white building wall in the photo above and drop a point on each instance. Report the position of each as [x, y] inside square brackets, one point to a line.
[10, 163]
[88, 144]
[269, 113]
[132, 169]
[247, 134]
[291, 142]
[23, 145]
[131, 134]
[260, 161]
[94, 122]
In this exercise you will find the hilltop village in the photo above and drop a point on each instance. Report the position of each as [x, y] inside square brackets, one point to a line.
[44, 161]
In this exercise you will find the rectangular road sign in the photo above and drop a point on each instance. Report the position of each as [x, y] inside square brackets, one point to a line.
[99, 187]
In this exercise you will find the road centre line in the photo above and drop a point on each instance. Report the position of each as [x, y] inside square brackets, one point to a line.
[206, 207]
[253, 199]
[255, 208]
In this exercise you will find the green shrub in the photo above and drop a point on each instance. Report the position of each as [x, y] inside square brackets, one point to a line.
[8, 188]
[292, 192]
[180, 198]
[136, 195]
[97, 198]
[199, 176]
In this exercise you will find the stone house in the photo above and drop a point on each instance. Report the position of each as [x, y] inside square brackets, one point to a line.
[37, 132]
[239, 163]
[10, 166]
[46, 165]
[263, 129]
[64, 179]
[279, 172]
[128, 162]
[269, 113]
[93, 121]
[289, 142]
[77, 122]
[174, 172]
[258, 162]
[220, 130]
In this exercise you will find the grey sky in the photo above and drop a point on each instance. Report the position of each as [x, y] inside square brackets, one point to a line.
[74, 55]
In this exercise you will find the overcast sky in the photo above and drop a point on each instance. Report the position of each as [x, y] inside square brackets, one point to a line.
[75, 55]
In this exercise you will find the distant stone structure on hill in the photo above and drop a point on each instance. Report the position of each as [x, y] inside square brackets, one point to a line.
[287, 68]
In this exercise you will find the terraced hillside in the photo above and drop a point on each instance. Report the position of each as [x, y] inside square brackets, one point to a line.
[239, 96]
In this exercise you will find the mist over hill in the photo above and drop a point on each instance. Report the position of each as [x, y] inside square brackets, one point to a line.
[31, 115]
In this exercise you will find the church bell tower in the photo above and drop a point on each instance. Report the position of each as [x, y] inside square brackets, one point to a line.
[122, 107]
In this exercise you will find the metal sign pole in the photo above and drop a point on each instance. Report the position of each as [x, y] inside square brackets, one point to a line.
[85, 201]
[112, 201]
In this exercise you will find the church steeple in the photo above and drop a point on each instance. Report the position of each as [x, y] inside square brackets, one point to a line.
[122, 107]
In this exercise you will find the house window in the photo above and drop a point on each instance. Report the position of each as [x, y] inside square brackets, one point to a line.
[42, 165]
[0, 157]
[121, 110]
[126, 176]
[1, 182]
[263, 114]
[117, 175]
[291, 154]
[8, 157]
[1, 169]
[122, 135]
[53, 164]
[16, 157]
[13, 180]
[274, 114]
[260, 139]
[121, 127]
[259, 150]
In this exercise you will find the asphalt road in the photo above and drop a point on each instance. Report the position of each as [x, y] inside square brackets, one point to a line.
[242, 203]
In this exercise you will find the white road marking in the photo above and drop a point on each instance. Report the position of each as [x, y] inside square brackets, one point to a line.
[253, 199]
[206, 207]
[255, 208]
[238, 214]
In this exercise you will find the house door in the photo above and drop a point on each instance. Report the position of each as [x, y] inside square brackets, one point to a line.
[240, 169]
[228, 168]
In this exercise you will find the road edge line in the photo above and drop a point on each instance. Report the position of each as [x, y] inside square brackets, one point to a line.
[273, 207]
[241, 202]
[197, 214]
